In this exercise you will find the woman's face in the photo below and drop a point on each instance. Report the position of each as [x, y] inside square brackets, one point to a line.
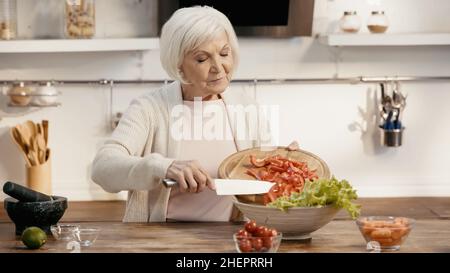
[207, 69]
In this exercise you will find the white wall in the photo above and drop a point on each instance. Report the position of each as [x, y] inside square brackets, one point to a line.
[324, 117]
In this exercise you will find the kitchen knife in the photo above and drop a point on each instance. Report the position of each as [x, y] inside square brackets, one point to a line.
[233, 186]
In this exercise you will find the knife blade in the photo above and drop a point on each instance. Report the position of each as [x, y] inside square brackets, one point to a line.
[233, 186]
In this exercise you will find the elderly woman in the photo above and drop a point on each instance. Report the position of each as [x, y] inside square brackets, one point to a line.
[199, 50]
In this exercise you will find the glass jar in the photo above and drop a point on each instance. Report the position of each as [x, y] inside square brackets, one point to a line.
[79, 19]
[20, 94]
[8, 19]
[350, 22]
[45, 95]
[45, 22]
[378, 22]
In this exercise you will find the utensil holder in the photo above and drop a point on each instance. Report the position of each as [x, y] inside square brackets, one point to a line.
[39, 177]
[392, 137]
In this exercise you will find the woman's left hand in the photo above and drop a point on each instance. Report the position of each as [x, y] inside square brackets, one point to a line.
[293, 146]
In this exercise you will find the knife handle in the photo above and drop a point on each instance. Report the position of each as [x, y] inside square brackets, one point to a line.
[169, 183]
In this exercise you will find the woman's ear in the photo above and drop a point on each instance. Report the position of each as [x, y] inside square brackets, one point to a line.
[183, 78]
[181, 73]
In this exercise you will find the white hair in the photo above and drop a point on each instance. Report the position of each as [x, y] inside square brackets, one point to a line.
[188, 28]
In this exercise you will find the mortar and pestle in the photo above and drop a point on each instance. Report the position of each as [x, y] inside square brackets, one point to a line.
[28, 208]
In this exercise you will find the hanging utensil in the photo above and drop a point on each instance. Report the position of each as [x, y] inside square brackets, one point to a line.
[386, 100]
[388, 125]
[382, 90]
[400, 104]
[396, 97]
[394, 94]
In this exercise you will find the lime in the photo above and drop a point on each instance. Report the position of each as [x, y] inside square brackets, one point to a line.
[34, 237]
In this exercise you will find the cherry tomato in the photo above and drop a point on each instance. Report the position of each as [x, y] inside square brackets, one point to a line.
[245, 245]
[242, 233]
[268, 233]
[251, 226]
[257, 243]
[261, 231]
[267, 242]
[272, 233]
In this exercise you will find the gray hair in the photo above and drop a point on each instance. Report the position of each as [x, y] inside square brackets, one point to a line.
[188, 28]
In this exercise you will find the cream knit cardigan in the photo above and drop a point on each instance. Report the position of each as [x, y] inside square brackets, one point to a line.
[137, 155]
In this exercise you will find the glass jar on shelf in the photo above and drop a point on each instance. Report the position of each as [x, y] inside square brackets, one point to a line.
[8, 19]
[20, 94]
[378, 22]
[79, 19]
[350, 22]
[45, 95]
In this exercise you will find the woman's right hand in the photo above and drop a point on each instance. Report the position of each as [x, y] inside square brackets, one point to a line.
[191, 177]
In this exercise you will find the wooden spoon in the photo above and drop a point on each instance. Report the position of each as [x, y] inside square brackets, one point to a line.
[42, 148]
[25, 134]
[31, 128]
[33, 158]
[47, 154]
[25, 142]
[39, 128]
[36, 150]
[45, 128]
[18, 140]
[26, 138]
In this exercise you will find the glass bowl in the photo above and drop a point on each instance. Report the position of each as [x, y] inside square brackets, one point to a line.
[385, 232]
[64, 231]
[86, 236]
[252, 244]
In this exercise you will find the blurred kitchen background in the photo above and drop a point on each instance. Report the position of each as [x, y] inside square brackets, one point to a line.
[335, 120]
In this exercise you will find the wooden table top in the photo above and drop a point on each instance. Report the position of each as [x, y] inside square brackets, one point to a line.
[430, 234]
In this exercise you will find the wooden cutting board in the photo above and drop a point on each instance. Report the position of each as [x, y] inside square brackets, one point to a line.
[236, 165]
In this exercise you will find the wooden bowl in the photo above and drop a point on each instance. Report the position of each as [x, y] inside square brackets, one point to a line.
[236, 165]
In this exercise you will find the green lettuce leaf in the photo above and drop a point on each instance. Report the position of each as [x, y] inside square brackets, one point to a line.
[321, 193]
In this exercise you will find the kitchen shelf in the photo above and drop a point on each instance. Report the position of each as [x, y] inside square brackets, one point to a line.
[34, 105]
[368, 39]
[78, 45]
